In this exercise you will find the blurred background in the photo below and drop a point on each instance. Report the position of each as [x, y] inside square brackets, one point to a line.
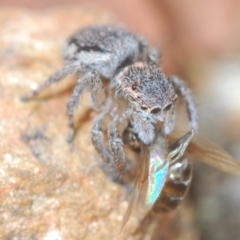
[200, 42]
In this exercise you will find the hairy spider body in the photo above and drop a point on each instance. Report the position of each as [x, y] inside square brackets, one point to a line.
[97, 52]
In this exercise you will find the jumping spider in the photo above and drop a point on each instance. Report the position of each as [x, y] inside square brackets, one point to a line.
[140, 93]
[97, 52]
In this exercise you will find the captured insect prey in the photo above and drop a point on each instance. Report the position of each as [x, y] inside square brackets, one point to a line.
[160, 166]
[165, 172]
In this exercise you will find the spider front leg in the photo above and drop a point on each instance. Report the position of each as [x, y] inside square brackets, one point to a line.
[116, 146]
[56, 77]
[92, 80]
[188, 96]
[97, 139]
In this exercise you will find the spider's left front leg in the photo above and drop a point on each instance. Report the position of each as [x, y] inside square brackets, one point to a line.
[188, 96]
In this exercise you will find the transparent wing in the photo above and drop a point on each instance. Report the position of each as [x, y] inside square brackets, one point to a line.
[214, 156]
[208, 152]
[142, 176]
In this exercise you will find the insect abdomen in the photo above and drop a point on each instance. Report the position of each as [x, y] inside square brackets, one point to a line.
[176, 186]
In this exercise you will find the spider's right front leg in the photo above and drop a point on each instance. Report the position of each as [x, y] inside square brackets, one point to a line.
[97, 139]
[116, 145]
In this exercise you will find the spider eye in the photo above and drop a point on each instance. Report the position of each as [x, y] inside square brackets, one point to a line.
[156, 110]
[134, 86]
[144, 107]
[168, 107]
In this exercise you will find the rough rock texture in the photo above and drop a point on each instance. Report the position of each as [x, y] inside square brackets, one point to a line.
[50, 189]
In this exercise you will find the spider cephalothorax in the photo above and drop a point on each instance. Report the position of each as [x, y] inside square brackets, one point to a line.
[148, 93]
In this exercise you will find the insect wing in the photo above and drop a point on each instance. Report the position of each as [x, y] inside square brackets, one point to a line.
[157, 175]
[140, 180]
[214, 156]
[178, 148]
